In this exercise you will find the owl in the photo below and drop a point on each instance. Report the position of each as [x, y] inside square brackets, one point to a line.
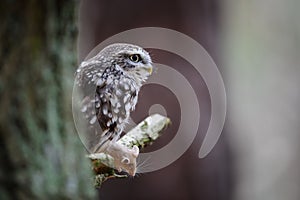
[110, 83]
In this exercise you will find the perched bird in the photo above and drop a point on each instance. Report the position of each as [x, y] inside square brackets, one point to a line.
[110, 83]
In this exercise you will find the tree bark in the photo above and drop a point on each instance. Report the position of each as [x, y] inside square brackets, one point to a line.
[39, 149]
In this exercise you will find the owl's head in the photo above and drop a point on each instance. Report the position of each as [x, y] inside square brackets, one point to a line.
[131, 59]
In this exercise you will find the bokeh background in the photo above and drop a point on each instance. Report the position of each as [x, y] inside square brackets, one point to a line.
[255, 45]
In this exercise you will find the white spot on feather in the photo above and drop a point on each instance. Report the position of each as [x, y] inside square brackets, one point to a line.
[127, 107]
[114, 101]
[93, 120]
[118, 92]
[125, 99]
[100, 82]
[105, 109]
[84, 109]
[116, 110]
[126, 86]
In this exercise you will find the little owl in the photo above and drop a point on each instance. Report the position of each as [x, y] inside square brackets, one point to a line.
[110, 83]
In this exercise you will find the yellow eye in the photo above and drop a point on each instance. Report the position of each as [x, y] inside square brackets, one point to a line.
[135, 57]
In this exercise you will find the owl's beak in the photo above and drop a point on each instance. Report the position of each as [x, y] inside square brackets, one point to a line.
[149, 69]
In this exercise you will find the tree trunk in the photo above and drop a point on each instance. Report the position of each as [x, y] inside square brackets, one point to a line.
[41, 155]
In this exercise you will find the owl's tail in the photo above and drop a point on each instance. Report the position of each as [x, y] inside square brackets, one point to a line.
[106, 137]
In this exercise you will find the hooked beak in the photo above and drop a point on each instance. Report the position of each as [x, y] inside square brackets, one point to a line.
[149, 69]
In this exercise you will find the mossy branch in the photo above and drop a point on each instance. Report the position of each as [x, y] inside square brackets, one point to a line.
[144, 134]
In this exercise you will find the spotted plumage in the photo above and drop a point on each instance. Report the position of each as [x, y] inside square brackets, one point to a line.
[110, 83]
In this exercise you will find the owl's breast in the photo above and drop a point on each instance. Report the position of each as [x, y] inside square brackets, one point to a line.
[116, 100]
[124, 98]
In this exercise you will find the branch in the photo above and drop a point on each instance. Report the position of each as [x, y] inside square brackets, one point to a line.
[144, 134]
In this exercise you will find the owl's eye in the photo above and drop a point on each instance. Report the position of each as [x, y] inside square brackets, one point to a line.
[135, 58]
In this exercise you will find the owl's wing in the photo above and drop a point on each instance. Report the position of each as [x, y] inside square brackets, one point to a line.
[108, 124]
[87, 81]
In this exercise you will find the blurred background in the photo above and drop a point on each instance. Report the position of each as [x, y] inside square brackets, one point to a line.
[255, 45]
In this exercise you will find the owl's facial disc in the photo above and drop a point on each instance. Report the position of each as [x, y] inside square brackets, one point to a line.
[138, 64]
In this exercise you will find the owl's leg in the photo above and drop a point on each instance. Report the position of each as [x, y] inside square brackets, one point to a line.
[124, 157]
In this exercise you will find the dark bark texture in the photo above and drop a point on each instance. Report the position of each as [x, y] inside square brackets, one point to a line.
[41, 155]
